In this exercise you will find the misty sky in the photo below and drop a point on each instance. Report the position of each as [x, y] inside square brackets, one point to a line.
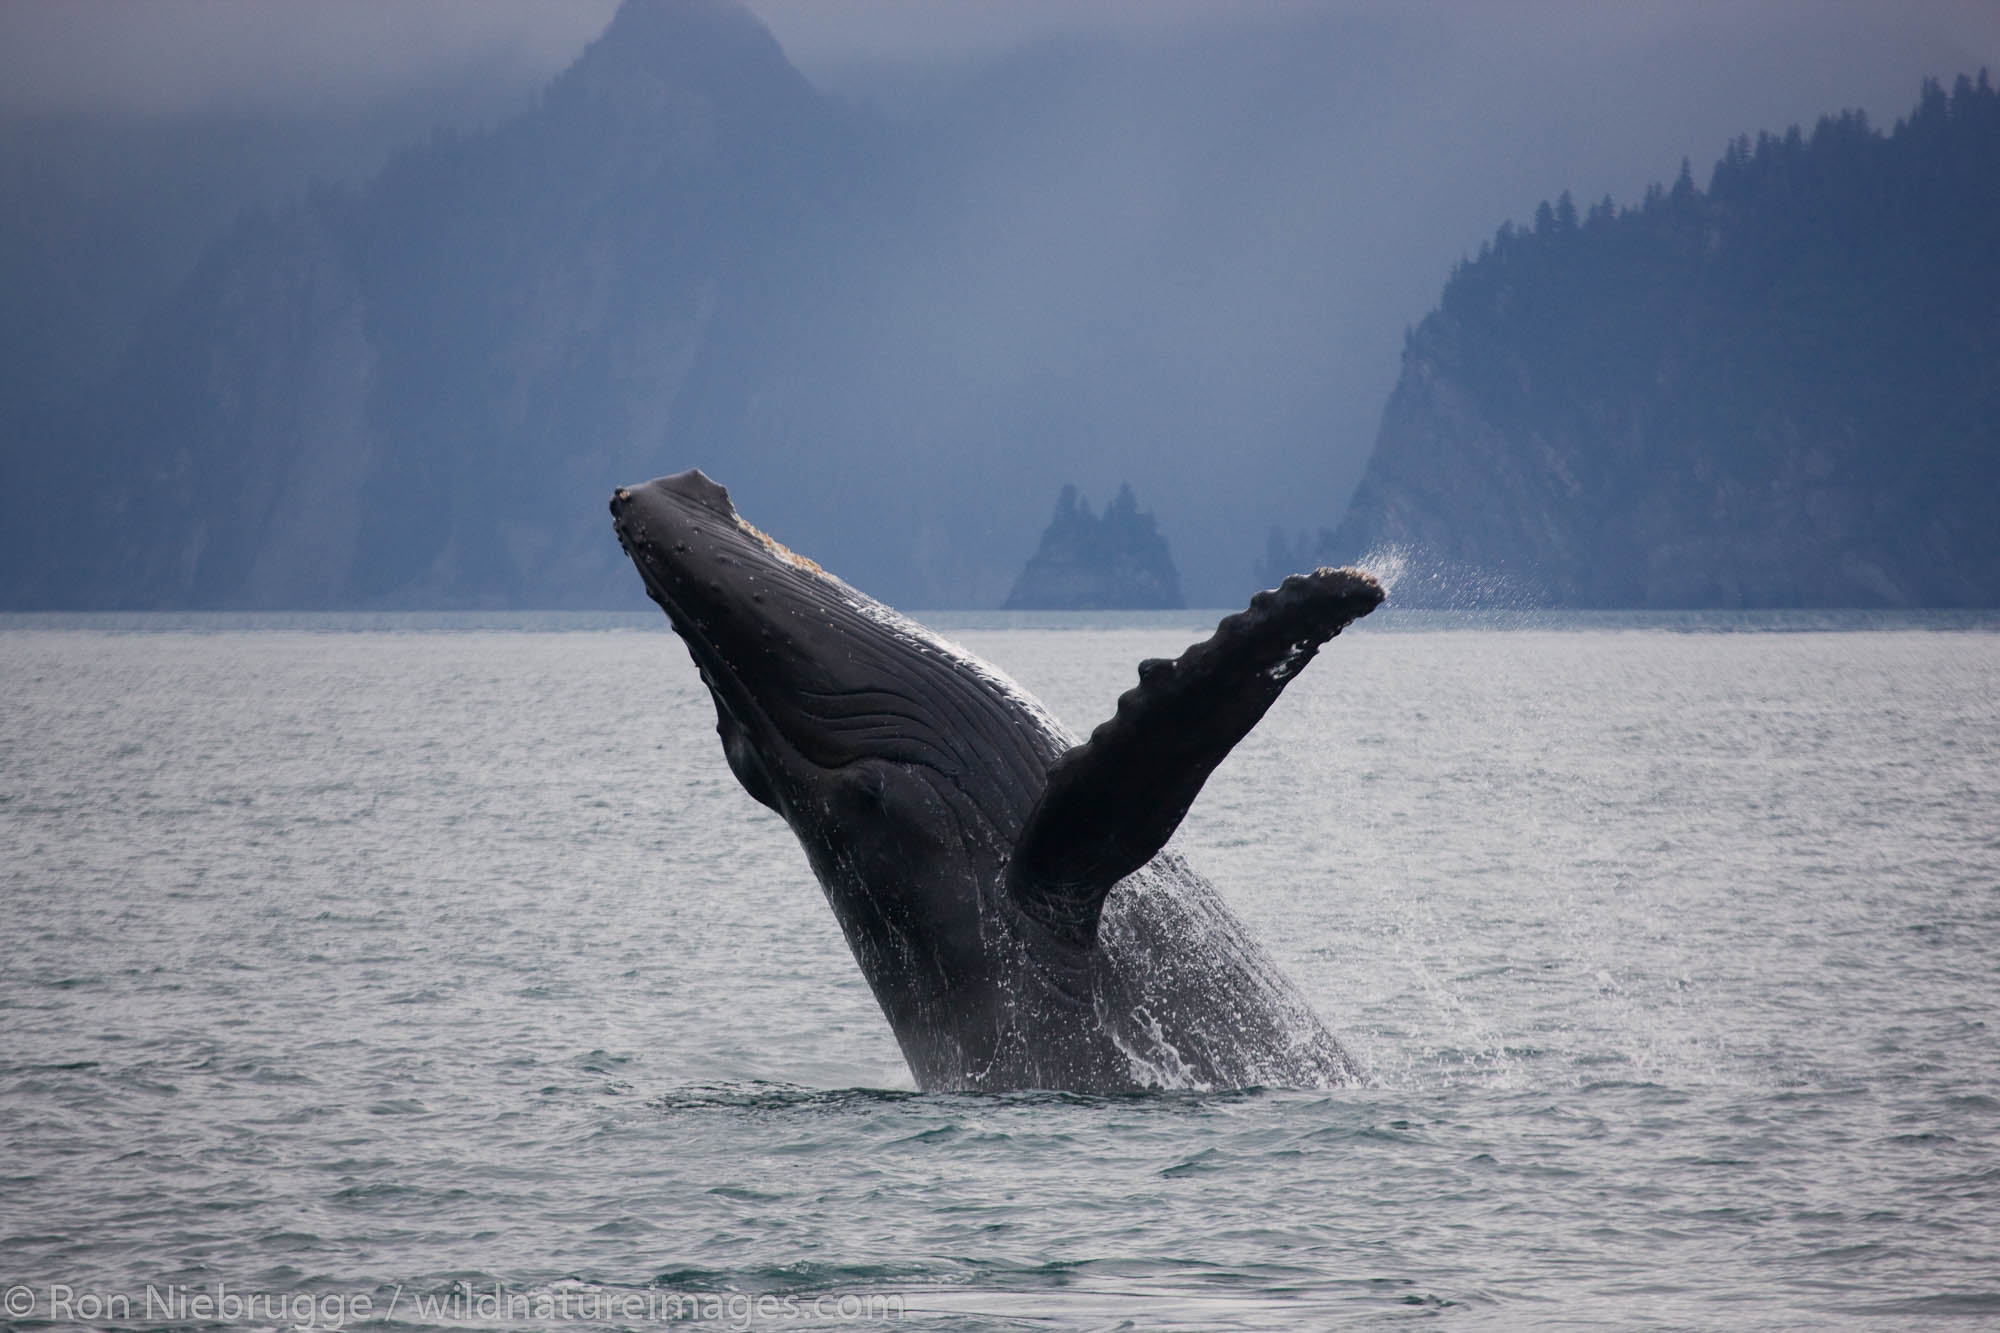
[176, 54]
[157, 55]
[1389, 140]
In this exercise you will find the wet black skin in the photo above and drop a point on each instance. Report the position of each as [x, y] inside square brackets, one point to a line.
[1004, 889]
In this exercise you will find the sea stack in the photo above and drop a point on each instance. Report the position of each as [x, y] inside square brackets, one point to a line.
[1086, 562]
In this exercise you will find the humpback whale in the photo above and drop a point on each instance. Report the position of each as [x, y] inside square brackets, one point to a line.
[1004, 885]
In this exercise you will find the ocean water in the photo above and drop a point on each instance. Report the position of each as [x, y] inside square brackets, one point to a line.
[433, 972]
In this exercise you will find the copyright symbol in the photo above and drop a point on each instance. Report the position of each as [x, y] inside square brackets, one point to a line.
[20, 1302]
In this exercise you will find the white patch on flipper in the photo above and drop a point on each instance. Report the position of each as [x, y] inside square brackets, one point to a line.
[1291, 663]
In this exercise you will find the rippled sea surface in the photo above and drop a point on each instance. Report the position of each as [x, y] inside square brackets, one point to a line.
[442, 976]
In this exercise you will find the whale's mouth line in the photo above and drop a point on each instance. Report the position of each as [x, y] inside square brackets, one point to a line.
[725, 684]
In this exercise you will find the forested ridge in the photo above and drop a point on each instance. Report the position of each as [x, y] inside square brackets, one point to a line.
[1783, 389]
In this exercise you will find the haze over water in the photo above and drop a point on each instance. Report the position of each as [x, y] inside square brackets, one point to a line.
[405, 963]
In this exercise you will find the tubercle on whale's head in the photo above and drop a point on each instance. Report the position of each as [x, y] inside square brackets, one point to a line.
[745, 605]
[812, 680]
[700, 559]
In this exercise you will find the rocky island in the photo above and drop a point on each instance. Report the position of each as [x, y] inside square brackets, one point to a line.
[1116, 561]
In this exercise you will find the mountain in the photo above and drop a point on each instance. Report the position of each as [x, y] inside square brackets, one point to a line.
[1781, 391]
[419, 392]
[884, 330]
[1117, 561]
[104, 214]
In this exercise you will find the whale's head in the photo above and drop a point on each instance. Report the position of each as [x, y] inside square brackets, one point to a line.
[905, 766]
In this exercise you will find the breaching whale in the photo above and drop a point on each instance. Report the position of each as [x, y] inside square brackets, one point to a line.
[1005, 888]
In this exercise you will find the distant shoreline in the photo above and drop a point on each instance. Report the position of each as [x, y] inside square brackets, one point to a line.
[1193, 620]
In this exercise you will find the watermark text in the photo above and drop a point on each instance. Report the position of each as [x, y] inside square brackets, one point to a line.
[497, 1305]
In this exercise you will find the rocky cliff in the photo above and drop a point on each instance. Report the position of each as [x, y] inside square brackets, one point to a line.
[1781, 391]
[418, 392]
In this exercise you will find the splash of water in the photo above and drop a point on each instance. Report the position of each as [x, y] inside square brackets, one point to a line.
[1417, 578]
[1387, 564]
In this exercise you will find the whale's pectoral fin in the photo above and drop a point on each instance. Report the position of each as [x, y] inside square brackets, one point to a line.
[1113, 801]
